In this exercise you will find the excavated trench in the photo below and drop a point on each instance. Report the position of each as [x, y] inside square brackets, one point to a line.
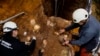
[43, 18]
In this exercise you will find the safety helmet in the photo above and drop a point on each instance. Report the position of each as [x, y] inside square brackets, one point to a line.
[9, 26]
[79, 15]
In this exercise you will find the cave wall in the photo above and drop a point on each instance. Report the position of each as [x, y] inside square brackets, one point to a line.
[64, 8]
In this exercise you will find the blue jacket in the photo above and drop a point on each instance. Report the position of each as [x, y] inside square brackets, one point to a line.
[88, 34]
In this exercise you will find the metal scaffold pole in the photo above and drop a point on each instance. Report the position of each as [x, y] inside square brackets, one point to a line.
[56, 6]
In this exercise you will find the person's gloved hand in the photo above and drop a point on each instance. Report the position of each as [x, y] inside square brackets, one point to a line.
[61, 31]
[29, 39]
[65, 40]
[65, 43]
[33, 37]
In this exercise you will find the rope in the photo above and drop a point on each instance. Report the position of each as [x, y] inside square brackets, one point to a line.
[88, 7]
[95, 50]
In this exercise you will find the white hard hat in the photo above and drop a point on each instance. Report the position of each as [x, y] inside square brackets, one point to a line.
[79, 15]
[9, 26]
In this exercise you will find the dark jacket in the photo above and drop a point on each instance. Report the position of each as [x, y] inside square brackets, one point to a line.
[10, 46]
[88, 34]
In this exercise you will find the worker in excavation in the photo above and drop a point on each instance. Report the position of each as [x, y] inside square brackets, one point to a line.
[10, 45]
[89, 31]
